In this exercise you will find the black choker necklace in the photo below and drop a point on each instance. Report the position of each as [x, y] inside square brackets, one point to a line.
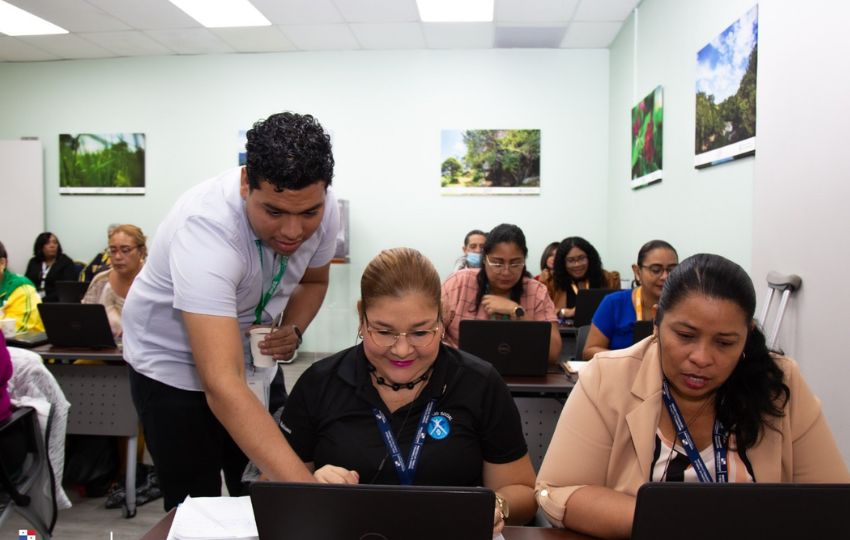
[398, 386]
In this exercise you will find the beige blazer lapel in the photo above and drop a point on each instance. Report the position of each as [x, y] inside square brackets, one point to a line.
[643, 419]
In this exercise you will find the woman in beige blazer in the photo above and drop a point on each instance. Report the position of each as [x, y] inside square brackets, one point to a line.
[617, 431]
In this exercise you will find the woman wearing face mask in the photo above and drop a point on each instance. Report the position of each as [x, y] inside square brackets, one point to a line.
[614, 320]
[473, 242]
[746, 412]
[402, 379]
[578, 266]
[501, 289]
[49, 265]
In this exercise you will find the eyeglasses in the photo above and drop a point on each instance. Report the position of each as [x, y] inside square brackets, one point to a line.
[124, 250]
[658, 269]
[388, 338]
[497, 266]
[575, 261]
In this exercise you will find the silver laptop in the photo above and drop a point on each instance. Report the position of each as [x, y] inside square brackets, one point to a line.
[741, 511]
[515, 348]
[287, 511]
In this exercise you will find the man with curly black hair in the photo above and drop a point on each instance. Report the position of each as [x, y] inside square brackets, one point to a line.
[235, 252]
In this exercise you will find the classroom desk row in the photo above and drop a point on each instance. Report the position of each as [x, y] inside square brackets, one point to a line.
[160, 532]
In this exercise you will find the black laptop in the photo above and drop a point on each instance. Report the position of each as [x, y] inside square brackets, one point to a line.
[587, 300]
[286, 511]
[71, 291]
[515, 348]
[71, 325]
[741, 511]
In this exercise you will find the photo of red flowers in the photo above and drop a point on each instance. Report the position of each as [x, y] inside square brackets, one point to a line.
[647, 142]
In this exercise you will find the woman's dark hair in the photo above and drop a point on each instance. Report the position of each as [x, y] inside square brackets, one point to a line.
[3, 254]
[651, 246]
[755, 388]
[40, 241]
[472, 233]
[546, 253]
[563, 279]
[504, 233]
[289, 150]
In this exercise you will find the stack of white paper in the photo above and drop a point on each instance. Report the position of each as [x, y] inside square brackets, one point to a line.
[214, 518]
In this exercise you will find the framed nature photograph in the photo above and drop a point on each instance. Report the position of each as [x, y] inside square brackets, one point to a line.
[112, 164]
[726, 94]
[490, 162]
[647, 142]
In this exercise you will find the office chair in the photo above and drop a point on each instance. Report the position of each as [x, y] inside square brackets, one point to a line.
[23, 468]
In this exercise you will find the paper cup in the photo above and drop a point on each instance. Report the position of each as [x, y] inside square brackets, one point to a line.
[8, 326]
[260, 360]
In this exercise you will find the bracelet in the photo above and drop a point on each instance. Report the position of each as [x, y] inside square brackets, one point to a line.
[298, 334]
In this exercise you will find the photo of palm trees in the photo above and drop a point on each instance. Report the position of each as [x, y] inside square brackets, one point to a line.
[647, 142]
[490, 161]
[92, 163]
[726, 94]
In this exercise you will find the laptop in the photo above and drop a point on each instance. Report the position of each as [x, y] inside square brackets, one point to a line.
[741, 511]
[71, 291]
[587, 300]
[82, 326]
[515, 348]
[286, 511]
[642, 330]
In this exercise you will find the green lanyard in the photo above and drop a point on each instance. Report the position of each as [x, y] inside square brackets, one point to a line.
[264, 299]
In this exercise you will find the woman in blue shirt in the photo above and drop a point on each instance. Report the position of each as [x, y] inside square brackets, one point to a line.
[614, 320]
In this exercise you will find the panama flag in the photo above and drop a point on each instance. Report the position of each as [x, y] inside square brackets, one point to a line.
[26, 534]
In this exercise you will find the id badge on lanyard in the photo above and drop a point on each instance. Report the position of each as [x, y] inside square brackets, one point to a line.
[718, 441]
[405, 470]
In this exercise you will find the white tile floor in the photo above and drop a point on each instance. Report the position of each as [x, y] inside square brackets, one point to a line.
[88, 519]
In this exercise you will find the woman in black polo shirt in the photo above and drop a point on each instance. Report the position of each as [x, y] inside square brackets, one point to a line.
[345, 412]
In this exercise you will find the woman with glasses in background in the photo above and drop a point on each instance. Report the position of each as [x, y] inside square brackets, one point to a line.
[614, 321]
[127, 250]
[501, 289]
[403, 408]
[578, 266]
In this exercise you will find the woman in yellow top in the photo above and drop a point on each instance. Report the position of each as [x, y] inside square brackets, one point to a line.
[127, 251]
[614, 321]
[18, 298]
[744, 413]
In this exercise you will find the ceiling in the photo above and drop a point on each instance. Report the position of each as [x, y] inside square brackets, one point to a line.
[113, 28]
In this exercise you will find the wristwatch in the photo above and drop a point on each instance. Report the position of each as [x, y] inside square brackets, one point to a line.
[519, 312]
[503, 507]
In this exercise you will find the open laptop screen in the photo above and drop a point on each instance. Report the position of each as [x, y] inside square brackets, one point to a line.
[515, 348]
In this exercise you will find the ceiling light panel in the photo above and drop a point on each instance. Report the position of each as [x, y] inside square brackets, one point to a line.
[14, 21]
[455, 10]
[223, 13]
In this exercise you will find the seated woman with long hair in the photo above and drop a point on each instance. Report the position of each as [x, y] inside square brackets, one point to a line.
[501, 289]
[577, 266]
[614, 321]
[362, 415]
[49, 265]
[707, 370]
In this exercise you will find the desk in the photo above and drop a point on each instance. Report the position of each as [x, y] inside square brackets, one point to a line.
[100, 401]
[160, 532]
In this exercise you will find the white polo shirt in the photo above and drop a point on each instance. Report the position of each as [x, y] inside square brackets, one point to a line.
[205, 259]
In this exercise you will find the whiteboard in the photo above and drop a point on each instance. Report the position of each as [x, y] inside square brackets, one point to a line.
[21, 199]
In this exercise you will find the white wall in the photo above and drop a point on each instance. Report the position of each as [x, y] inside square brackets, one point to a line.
[21, 168]
[385, 111]
[707, 210]
[802, 188]
[784, 209]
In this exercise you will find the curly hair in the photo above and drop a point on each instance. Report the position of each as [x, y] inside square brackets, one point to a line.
[290, 151]
[756, 387]
[563, 279]
[504, 233]
[40, 241]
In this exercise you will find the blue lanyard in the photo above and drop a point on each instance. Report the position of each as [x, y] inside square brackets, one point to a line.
[264, 299]
[718, 441]
[404, 470]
